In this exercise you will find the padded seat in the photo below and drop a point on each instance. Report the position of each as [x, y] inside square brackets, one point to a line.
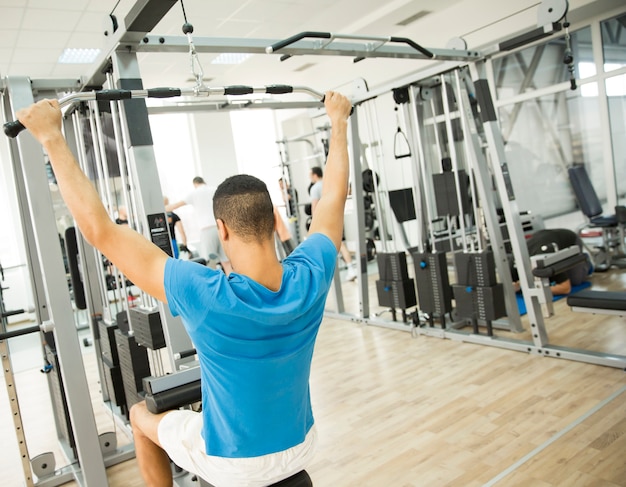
[300, 479]
[609, 300]
[604, 221]
[611, 252]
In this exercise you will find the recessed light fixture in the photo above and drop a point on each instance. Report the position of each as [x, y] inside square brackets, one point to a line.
[231, 58]
[78, 56]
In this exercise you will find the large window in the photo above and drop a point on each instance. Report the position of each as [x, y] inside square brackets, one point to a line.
[614, 52]
[546, 126]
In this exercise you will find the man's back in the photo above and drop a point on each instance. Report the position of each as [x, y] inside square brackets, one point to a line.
[255, 347]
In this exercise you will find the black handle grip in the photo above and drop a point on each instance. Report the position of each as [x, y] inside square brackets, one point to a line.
[290, 40]
[18, 333]
[279, 89]
[238, 90]
[414, 45]
[163, 92]
[187, 353]
[12, 129]
[13, 312]
[113, 95]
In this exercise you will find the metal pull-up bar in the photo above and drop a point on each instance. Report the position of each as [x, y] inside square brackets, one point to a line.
[12, 129]
[327, 35]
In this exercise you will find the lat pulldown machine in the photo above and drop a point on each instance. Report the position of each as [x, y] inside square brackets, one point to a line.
[12, 129]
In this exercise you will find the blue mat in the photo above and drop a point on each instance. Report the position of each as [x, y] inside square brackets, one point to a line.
[522, 306]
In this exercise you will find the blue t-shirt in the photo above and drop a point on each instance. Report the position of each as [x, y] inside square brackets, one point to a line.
[255, 347]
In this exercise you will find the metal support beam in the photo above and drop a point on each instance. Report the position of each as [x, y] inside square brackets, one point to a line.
[504, 187]
[92, 471]
[357, 195]
[180, 44]
[145, 179]
[482, 178]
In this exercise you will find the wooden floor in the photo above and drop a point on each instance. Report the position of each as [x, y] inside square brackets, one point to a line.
[394, 410]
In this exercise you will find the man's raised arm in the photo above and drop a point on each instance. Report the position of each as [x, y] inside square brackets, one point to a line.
[328, 214]
[136, 257]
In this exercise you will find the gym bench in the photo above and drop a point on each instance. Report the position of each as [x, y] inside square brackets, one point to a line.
[600, 302]
[546, 266]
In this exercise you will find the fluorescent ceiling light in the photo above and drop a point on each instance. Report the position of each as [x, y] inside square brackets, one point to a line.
[231, 58]
[78, 56]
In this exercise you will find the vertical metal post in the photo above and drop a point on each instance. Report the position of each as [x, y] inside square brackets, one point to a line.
[7, 367]
[421, 180]
[58, 299]
[145, 176]
[504, 188]
[357, 195]
[452, 151]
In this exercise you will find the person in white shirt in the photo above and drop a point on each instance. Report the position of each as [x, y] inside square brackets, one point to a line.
[201, 199]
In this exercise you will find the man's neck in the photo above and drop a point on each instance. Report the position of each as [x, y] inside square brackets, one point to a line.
[258, 262]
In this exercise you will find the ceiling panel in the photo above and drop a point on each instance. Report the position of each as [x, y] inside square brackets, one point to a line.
[64, 5]
[43, 39]
[11, 18]
[36, 19]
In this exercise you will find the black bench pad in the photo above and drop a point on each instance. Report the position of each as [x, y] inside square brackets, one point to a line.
[615, 300]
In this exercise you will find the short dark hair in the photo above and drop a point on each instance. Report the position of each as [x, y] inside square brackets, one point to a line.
[317, 171]
[243, 203]
[198, 180]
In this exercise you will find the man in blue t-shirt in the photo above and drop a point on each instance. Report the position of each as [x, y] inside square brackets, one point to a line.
[254, 330]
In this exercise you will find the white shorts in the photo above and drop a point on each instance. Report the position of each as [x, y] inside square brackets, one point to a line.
[180, 434]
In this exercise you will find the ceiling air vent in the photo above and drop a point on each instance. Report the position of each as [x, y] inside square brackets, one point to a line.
[414, 17]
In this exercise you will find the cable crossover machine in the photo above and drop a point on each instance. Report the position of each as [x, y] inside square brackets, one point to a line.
[152, 349]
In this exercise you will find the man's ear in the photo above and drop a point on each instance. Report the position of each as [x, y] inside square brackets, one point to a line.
[276, 217]
[222, 229]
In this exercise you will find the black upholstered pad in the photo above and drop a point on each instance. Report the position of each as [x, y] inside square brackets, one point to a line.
[598, 299]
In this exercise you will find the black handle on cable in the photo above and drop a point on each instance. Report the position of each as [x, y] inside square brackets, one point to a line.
[238, 90]
[279, 89]
[118, 95]
[12, 129]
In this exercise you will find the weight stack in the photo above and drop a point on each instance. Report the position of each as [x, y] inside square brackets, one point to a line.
[446, 199]
[475, 269]
[481, 303]
[112, 370]
[477, 293]
[59, 402]
[394, 288]
[433, 283]
[115, 385]
[134, 366]
[147, 328]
